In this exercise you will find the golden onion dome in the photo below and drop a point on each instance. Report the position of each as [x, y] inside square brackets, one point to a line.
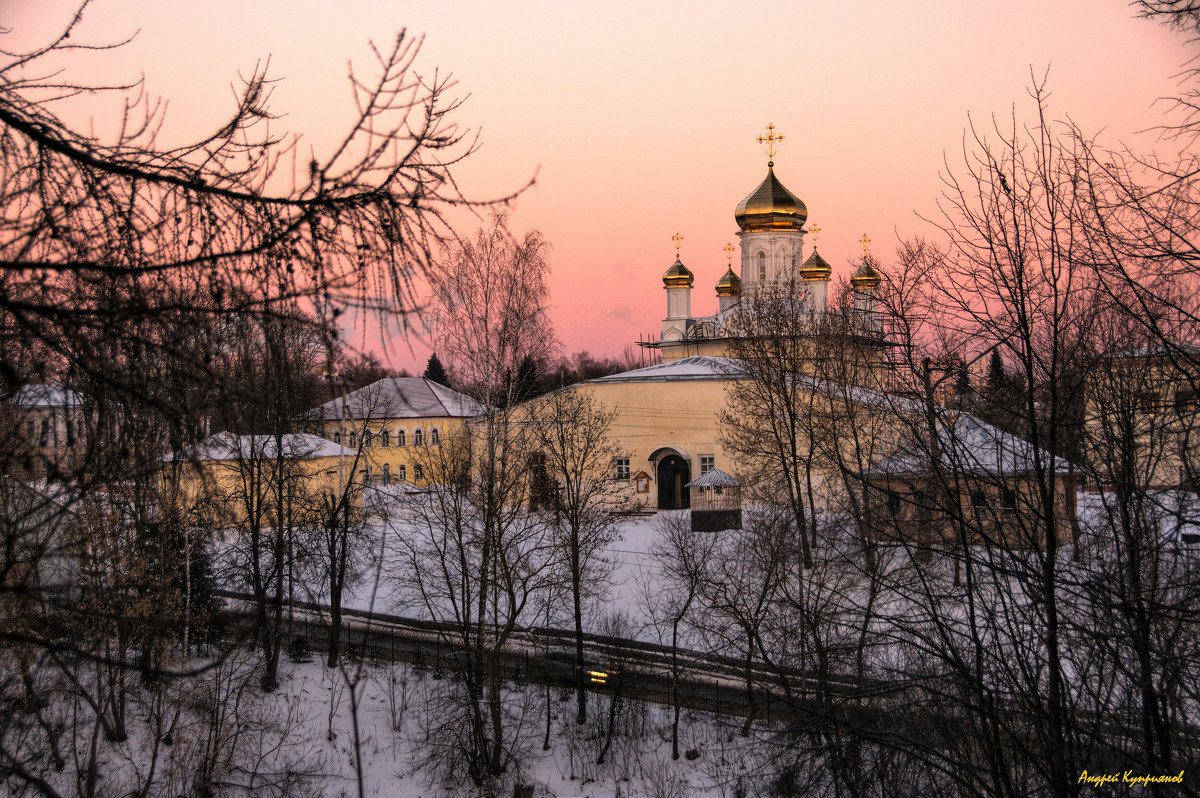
[678, 276]
[770, 207]
[865, 278]
[815, 268]
[729, 284]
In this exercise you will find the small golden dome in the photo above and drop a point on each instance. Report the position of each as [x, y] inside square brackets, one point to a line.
[815, 268]
[678, 276]
[729, 284]
[865, 278]
[770, 207]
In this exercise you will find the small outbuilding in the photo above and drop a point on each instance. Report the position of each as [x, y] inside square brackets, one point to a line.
[716, 502]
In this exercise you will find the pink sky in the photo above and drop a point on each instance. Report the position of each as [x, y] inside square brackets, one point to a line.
[640, 118]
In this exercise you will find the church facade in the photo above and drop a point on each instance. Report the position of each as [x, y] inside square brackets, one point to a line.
[668, 415]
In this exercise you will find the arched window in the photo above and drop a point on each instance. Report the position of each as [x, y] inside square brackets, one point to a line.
[762, 267]
[337, 437]
[367, 439]
[387, 474]
[353, 440]
[385, 438]
[418, 438]
[400, 438]
[435, 438]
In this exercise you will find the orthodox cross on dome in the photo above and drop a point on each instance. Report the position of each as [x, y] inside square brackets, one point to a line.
[866, 243]
[678, 239]
[729, 253]
[815, 230]
[770, 140]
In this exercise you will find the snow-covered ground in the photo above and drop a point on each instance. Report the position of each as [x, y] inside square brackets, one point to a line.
[376, 588]
[394, 715]
[300, 740]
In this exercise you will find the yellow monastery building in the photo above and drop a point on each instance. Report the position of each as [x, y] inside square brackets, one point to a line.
[227, 480]
[390, 421]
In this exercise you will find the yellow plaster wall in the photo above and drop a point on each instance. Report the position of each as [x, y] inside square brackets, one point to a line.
[215, 491]
[394, 456]
[680, 414]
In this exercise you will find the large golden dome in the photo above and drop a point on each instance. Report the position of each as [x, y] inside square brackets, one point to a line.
[816, 267]
[678, 276]
[770, 207]
[729, 284]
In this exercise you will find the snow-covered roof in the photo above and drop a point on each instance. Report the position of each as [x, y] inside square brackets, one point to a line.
[398, 397]
[46, 396]
[227, 446]
[713, 478]
[696, 367]
[969, 446]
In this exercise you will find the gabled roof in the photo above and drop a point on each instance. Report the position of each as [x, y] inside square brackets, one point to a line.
[46, 396]
[697, 367]
[398, 397]
[969, 446]
[713, 478]
[227, 446]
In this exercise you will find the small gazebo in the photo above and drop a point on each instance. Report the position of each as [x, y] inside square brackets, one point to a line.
[716, 502]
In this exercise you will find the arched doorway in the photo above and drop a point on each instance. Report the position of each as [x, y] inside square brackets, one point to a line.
[673, 474]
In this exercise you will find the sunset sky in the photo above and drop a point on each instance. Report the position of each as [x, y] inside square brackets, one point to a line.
[639, 119]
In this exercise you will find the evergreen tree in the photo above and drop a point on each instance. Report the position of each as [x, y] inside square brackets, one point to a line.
[1003, 398]
[435, 371]
[527, 379]
[997, 379]
[962, 384]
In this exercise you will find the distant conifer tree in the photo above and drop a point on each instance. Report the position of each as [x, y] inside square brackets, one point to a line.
[527, 379]
[997, 379]
[962, 383]
[434, 370]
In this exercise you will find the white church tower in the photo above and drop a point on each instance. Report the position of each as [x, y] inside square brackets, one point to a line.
[771, 221]
[677, 281]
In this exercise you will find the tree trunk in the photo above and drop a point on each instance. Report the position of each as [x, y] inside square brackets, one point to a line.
[576, 590]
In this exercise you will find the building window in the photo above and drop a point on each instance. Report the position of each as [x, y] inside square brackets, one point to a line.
[762, 267]
[621, 468]
[366, 475]
[402, 473]
[893, 504]
[435, 437]
[400, 438]
[367, 438]
[707, 463]
[353, 440]
[418, 438]
[387, 474]
[1008, 501]
[385, 438]
[978, 502]
[337, 437]
[417, 473]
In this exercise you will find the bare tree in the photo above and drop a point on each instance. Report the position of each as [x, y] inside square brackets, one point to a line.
[476, 557]
[574, 464]
[772, 338]
[681, 557]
